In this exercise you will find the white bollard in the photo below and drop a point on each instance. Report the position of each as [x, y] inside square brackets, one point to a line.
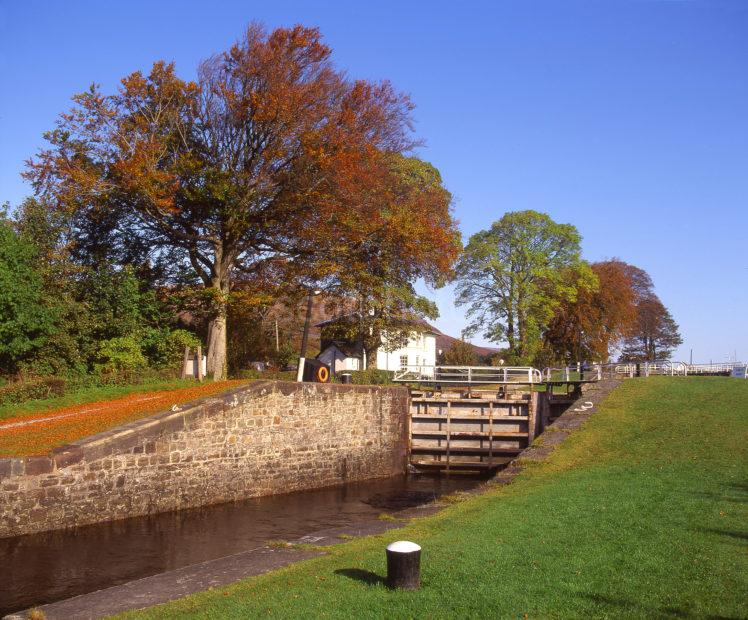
[404, 565]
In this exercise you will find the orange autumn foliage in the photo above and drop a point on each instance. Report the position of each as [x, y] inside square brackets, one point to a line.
[41, 433]
[271, 156]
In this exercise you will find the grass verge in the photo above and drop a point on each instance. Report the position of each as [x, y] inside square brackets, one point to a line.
[88, 395]
[93, 411]
[641, 513]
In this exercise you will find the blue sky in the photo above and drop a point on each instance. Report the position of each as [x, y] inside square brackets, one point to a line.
[626, 119]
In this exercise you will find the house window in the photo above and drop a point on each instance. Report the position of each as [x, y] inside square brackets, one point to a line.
[418, 360]
[403, 361]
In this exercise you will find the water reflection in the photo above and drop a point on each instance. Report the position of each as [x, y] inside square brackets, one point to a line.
[47, 567]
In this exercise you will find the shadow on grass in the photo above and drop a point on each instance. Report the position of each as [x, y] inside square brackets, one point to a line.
[737, 494]
[730, 533]
[629, 605]
[364, 576]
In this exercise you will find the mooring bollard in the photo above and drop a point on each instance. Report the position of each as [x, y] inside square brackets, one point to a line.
[404, 565]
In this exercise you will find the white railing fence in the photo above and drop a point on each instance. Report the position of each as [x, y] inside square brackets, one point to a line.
[468, 374]
[712, 368]
[577, 372]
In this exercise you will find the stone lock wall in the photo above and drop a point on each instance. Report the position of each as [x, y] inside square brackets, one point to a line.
[267, 438]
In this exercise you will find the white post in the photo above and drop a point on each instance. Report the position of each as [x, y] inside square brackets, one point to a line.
[300, 371]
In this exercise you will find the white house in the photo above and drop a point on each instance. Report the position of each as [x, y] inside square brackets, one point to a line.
[420, 351]
[418, 354]
[340, 356]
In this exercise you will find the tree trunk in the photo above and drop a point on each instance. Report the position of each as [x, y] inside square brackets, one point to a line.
[216, 356]
[216, 361]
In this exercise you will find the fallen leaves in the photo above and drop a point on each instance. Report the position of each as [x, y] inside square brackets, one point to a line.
[38, 435]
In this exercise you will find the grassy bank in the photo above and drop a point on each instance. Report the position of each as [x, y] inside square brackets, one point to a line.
[37, 431]
[87, 395]
[641, 513]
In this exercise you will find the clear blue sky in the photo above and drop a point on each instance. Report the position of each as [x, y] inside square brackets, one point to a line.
[628, 119]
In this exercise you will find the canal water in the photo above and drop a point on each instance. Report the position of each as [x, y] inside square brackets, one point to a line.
[47, 567]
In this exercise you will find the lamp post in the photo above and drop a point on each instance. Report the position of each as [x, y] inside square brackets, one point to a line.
[305, 336]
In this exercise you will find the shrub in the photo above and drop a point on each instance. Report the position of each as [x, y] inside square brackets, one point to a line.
[119, 354]
[268, 375]
[164, 348]
[17, 392]
[285, 356]
[371, 376]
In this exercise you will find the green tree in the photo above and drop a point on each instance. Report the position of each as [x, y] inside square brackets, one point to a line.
[26, 317]
[514, 275]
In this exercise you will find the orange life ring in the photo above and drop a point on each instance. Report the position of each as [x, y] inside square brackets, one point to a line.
[323, 374]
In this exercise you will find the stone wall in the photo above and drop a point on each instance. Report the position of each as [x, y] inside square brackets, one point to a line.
[266, 438]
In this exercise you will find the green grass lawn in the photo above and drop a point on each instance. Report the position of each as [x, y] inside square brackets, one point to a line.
[642, 513]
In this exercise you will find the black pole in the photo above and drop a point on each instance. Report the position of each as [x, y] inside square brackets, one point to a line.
[308, 320]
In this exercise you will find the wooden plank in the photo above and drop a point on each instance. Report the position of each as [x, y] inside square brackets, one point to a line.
[460, 465]
[456, 435]
[532, 412]
[490, 433]
[462, 451]
[474, 401]
[449, 408]
[470, 418]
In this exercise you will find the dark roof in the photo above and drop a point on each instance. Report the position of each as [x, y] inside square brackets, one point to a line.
[349, 349]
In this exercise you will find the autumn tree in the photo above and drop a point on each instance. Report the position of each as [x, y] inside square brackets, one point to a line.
[655, 335]
[461, 353]
[593, 324]
[515, 275]
[398, 229]
[247, 164]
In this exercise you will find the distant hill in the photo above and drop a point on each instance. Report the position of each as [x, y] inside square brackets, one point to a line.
[444, 343]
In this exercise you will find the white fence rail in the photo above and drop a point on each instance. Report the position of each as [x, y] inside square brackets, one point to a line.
[468, 374]
[529, 375]
[578, 372]
[713, 369]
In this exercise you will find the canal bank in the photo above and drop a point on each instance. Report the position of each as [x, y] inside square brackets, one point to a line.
[226, 541]
[365, 502]
[639, 513]
[266, 438]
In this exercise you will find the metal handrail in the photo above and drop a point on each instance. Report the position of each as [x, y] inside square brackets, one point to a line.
[468, 374]
[697, 369]
[578, 372]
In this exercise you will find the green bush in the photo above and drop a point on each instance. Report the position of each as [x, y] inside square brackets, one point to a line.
[286, 355]
[164, 348]
[16, 392]
[371, 376]
[268, 375]
[119, 354]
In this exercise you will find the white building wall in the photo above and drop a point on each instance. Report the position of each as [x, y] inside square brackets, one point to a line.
[337, 361]
[420, 351]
